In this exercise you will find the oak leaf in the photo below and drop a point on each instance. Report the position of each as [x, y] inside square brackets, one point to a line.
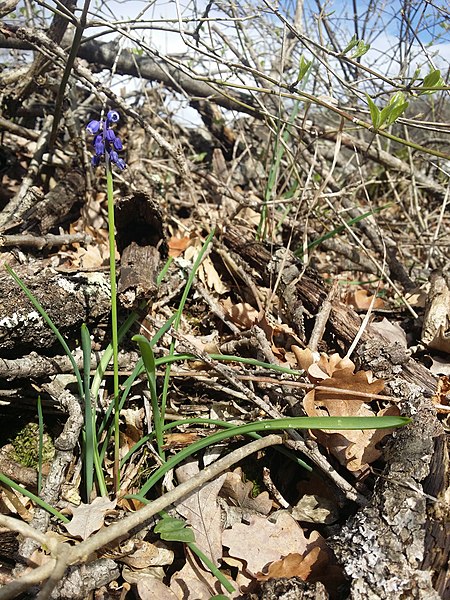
[261, 542]
[202, 512]
[240, 494]
[88, 518]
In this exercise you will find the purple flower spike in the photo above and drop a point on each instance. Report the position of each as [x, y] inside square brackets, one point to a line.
[106, 143]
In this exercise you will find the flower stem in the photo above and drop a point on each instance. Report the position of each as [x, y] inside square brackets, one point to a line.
[114, 334]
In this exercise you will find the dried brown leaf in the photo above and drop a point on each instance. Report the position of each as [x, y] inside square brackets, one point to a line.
[151, 588]
[361, 300]
[292, 565]
[353, 449]
[179, 440]
[261, 541]
[148, 555]
[178, 245]
[201, 511]
[242, 314]
[240, 493]
[194, 582]
[88, 518]
[441, 341]
[390, 331]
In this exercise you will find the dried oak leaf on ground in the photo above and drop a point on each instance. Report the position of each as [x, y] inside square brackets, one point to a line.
[202, 512]
[150, 588]
[239, 492]
[245, 316]
[207, 272]
[194, 582]
[274, 550]
[361, 299]
[261, 542]
[354, 449]
[88, 518]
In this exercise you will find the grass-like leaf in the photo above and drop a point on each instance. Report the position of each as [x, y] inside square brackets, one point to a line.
[338, 423]
[150, 367]
[15, 486]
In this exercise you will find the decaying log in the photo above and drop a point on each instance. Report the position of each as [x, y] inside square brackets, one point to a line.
[38, 366]
[69, 300]
[140, 240]
[396, 546]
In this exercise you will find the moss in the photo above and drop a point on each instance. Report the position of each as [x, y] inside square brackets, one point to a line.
[26, 446]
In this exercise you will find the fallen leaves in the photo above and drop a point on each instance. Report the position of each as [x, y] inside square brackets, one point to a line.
[361, 299]
[240, 494]
[245, 316]
[354, 449]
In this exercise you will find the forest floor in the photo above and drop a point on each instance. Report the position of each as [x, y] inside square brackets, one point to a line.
[261, 299]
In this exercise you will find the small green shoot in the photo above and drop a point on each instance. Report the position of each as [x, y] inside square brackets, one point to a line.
[361, 48]
[303, 69]
[171, 529]
[174, 530]
[352, 43]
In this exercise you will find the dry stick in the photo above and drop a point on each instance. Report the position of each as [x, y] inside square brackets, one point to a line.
[27, 531]
[55, 577]
[322, 317]
[215, 307]
[34, 365]
[273, 489]
[261, 338]
[310, 450]
[28, 134]
[44, 241]
[20, 585]
[71, 555]
[298, 384]
[36, 162]
[231, 263]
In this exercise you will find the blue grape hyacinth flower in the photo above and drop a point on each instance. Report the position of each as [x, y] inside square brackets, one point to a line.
[106, 143]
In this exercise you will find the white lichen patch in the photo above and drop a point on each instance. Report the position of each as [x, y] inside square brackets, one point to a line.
[12, 321]
[99, 280]
[66, 285]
